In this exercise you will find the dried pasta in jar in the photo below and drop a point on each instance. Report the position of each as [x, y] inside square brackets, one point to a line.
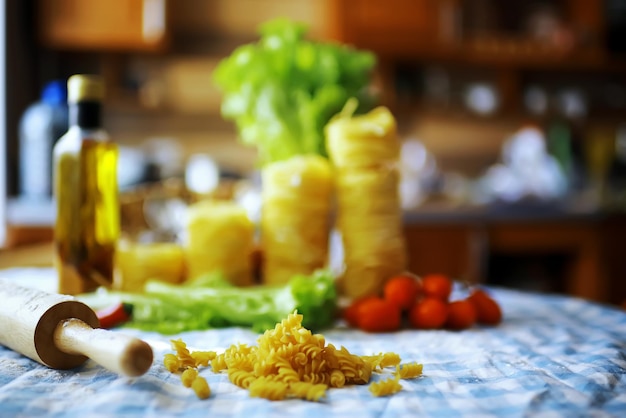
[295, 217]
[136, 263]
[364, 151]
[220, 237]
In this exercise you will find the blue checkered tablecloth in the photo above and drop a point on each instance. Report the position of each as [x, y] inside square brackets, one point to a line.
[551, 357]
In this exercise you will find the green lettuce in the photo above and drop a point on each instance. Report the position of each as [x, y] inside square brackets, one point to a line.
[282, 90]
[211, 302]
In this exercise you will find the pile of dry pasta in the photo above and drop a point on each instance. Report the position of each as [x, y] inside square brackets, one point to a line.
[289, 362]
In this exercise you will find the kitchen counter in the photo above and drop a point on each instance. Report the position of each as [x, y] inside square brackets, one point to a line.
[567, 210]
[551, 356]
[461, 241]
[31, 255]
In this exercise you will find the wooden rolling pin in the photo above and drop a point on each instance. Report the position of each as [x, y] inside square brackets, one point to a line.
[61, 332]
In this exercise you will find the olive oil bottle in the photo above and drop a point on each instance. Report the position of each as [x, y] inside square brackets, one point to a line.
[85, 188]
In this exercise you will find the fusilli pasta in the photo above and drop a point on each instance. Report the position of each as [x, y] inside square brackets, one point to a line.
[188, 362]
[308, 391]
[386, 387]
[188, 377]
[382, 360]
[268, 389]
[201, 387]
[289, 362]
[409, 370]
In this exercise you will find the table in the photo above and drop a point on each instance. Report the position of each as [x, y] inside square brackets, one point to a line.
[552, 356]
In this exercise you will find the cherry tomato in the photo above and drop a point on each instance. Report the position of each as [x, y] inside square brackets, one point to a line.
[379, 315]
[428, 313]
[351, 313]
[114, 315]
[461, 315]
[488, 311]
[402, 290]
[437, 285]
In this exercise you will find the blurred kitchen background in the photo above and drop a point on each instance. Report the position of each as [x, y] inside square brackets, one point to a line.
[512, 115]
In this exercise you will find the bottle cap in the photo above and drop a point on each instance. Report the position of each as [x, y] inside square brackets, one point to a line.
[54, 93]
[82, 87]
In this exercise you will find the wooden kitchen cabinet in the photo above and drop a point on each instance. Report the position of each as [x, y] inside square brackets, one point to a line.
[471, 32]
[448, 248]
[394, 27]
[586, 272]
[115, 25]
[463, 246]
[482, 35]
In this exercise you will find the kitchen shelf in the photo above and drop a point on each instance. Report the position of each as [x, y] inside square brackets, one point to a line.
[104, 25]
[428, 33]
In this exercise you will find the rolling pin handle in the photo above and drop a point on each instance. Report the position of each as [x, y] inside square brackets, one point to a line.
[117, 352]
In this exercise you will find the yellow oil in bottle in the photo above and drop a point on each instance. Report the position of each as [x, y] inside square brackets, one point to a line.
[86, 192]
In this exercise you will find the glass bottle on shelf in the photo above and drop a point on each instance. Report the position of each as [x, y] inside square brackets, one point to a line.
[41, 125]
[87, 223]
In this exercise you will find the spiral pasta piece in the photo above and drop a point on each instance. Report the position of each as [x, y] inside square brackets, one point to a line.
[184, 356]
[409, 370]
[268, 389]
[188, 362]
[308, 391]
[171, 362]
[203, 358]
[241, 378]
[188, 376]
[382, 360]
[201, 387]
[386, 387]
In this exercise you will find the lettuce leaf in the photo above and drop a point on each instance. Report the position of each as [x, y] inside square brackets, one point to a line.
[211, 302]
[282, 90]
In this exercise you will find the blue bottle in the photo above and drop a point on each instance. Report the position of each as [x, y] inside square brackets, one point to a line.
[41, 125]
